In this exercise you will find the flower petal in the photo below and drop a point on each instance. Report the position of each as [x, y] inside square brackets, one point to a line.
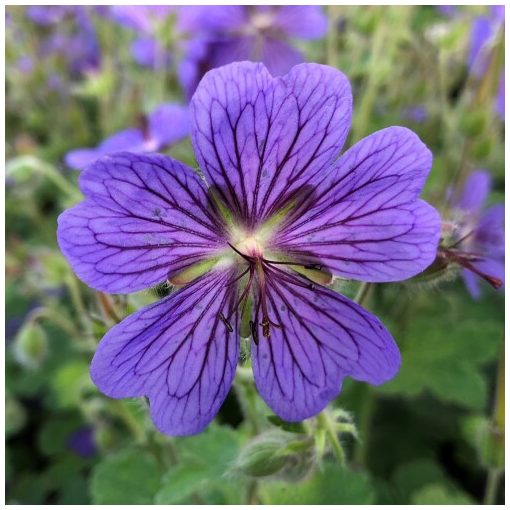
[302, 21]
[145, 217]
[259, 139]
[366, 222]
[321, 338]
[490, 232]
[168, 124]
[177, 352]
[279, 57]
[475, 192]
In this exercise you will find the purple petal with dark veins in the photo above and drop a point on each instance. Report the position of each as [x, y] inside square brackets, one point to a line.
[321, 337]
[366, 222]
[177, 352]
[144, 217]
[260, 139]
[475, 192]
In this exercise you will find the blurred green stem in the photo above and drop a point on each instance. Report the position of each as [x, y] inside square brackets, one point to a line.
[367, 398]
[332, 37]
[495, 473]
[491, 489]
[74, 290]
[379, 47]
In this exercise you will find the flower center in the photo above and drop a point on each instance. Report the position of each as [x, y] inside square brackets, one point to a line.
[251, 246]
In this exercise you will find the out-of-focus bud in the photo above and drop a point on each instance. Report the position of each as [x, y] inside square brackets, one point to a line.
[482, 148]
[31, 345]
[105, 437]
[15, 416]
[274, 453]
[487, 440]
[473, 123]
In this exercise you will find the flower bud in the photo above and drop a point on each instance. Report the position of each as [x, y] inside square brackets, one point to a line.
[31, 345]
[15, 416]
[271, 453]
[473, 123]
[105, 438]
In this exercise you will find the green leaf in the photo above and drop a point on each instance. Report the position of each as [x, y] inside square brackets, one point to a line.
[130, 477]
[438, 494]
[443, 349]
[334, 485]
[205, 460]
[181, 482]
[71, 382]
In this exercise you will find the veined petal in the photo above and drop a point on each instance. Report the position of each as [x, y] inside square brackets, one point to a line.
[144, 217]
[321, 337]
[259, 139]
[366, 222]
[178, 352]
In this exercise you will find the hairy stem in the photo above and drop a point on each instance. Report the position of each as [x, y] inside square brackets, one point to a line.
[326, 422]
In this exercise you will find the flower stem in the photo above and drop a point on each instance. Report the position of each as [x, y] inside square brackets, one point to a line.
[491, 489]
[498, 419]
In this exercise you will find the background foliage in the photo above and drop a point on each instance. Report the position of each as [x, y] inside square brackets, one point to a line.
[431, 435]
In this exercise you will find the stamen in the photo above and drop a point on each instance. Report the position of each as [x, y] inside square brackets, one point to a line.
[227, 324]
[254, 333]
[465, 260]
[249, 259]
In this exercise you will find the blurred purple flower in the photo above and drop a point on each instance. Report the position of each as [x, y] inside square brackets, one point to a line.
[447, 10]
[49, 14]
[166, 125]
[483, 31]
[281, 215]
[25, 64]
[142, 18]
[147, 51]
[417, 113]
[230, 33]
[82, 442]
[479, 238]
[78, 45]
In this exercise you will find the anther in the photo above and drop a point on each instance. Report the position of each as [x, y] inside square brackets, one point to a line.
[254, 333]
[225, 321]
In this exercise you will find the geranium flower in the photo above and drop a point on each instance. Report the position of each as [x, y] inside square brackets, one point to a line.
[166, 125]
[146, 50]
[476, 238]
[230, 33]
[253, 247]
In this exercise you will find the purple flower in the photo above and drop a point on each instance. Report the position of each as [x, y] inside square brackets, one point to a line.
[147, 52]
[166, 125]
[483, 31]
[146, 49]
[230, 33]
[254, 248]
[417, 113]
[478, 240]
[81, 442]
[79, 47]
